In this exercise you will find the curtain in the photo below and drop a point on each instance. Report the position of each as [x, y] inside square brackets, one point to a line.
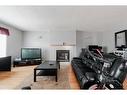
[4, 31]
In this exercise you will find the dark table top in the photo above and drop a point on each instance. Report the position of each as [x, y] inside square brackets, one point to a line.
[47, 65]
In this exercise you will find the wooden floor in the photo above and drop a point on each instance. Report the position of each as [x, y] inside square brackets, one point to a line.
[72, 79]
[10, 80]
[125, 84]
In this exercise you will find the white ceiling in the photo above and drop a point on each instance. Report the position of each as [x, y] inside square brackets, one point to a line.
[87, 18]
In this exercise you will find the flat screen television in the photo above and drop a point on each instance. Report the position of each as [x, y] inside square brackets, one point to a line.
[30, 53]
[121, 39]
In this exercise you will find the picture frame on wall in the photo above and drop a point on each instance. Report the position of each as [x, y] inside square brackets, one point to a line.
[121, 39]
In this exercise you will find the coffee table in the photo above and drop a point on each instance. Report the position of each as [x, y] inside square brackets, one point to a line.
[47, 68]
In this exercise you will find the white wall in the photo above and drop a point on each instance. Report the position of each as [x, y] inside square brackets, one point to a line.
[38, 40]
[83, 39]
[14, 41]
[67, 36]
[45, 38]
[107, 40]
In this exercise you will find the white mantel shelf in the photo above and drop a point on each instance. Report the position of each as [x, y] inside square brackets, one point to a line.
[63, 45]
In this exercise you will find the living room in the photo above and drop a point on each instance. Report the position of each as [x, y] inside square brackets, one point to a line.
[56, 34]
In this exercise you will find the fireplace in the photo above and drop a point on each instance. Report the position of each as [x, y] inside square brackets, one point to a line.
[63, 55]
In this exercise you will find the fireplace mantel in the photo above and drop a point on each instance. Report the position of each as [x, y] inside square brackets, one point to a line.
[63, 44]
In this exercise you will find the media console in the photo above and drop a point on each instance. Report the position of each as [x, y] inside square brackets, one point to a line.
[19, 62]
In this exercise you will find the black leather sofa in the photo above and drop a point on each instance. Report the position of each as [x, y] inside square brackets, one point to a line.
[91, 69]
[5, 63]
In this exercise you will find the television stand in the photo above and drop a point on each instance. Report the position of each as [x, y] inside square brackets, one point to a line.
[19, 62]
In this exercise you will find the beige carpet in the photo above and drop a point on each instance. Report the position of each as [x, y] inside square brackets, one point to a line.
[48, 82]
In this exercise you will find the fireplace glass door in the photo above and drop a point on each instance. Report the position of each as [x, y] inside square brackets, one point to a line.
[62, 55]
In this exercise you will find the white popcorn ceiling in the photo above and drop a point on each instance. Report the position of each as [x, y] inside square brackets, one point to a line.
[87, 18]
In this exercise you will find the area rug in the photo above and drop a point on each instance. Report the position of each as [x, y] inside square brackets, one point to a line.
[48, 82]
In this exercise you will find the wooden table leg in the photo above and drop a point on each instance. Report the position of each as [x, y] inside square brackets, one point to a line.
[58, 64]
[56, 75]
[34, 75]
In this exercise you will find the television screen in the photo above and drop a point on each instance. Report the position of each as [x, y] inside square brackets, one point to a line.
[30, 53]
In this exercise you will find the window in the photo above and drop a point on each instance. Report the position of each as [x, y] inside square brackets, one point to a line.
[3, 43]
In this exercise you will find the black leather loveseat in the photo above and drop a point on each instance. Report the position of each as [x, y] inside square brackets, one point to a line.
[109, 71]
